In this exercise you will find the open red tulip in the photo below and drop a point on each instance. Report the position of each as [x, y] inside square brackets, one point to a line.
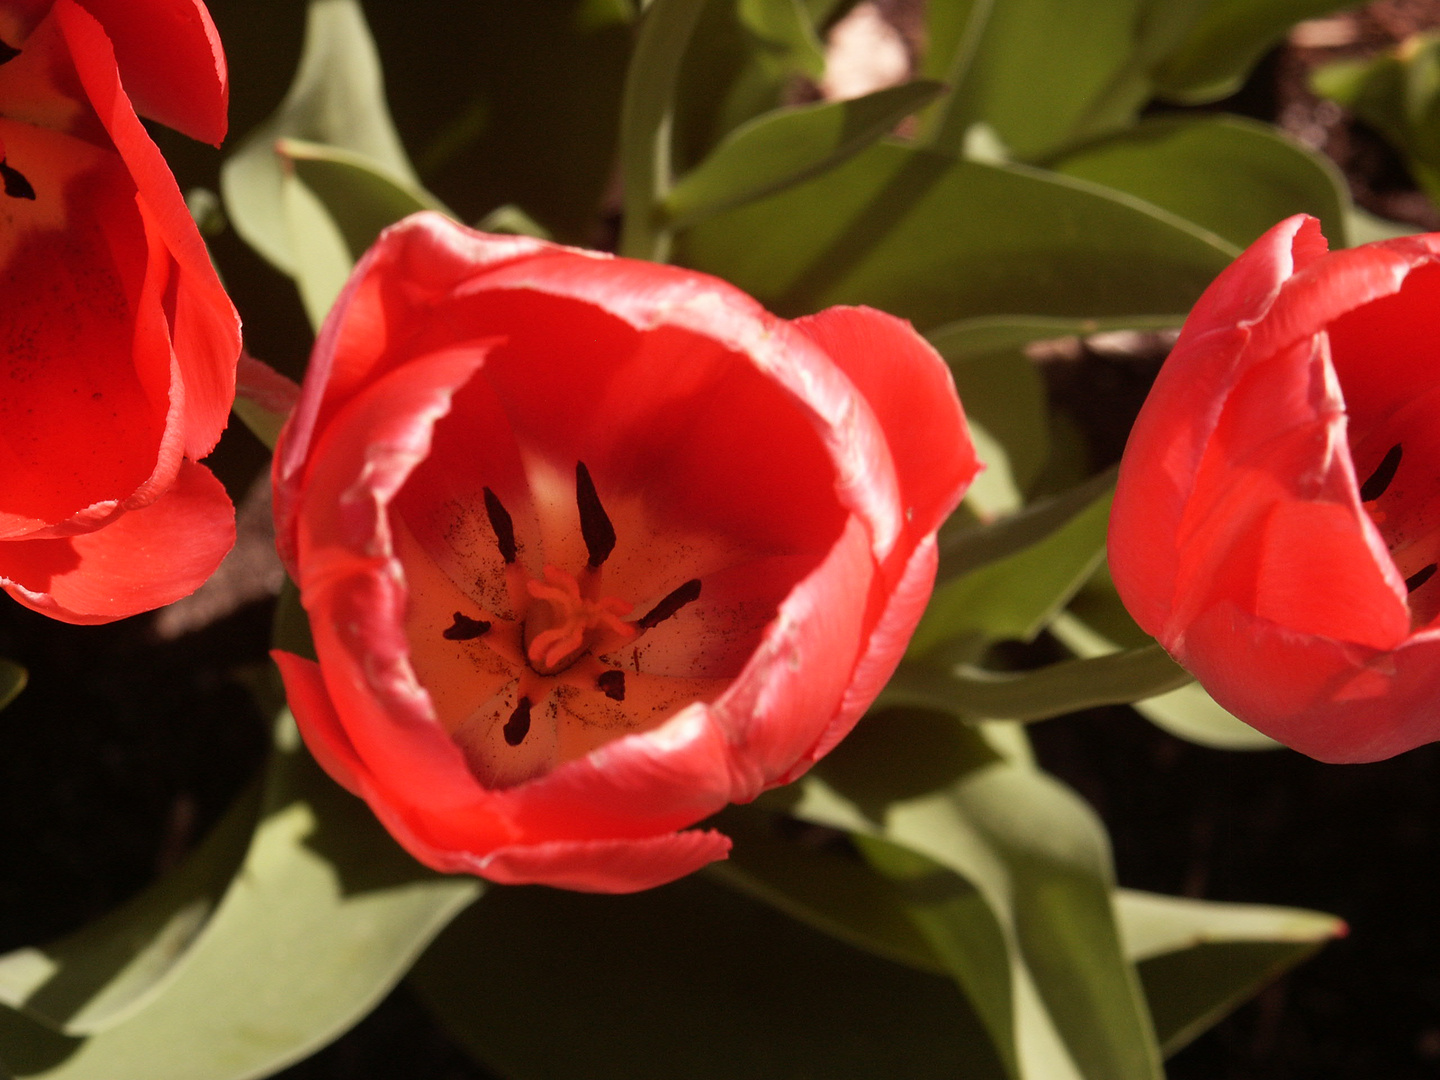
[119, 342]
[592, 547]
[1277, 521]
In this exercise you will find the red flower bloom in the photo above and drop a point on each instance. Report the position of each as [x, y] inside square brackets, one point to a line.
[592, 547]
[1277, 522]
[120, 344]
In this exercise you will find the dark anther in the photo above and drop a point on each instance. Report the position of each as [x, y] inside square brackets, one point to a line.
[1415, 580]
[595, 524]
[677, 599]
[501, 523]
[613, 683]
[465, 628]
[7, 52]
[16, 186]
[518, 726]
[1380, 479]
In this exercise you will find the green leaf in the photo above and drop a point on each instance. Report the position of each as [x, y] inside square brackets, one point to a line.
[1199, 959]
[1036, 854]
[359, 197]
[647, 113]
[689, 980]
[1117, 678]
[12, 680]
[796, 868]
[784, 26]
[1363, 227]
[1003, 391]
[1015, 596]
[966, 547]
[1036, 91]
[788, 146]
[1229, 175]
[1186, 712]
[1226, 41]
[1398, 94]
[104, 972]
[977, 337]
[754, 52]
[934, 240]
[338, 99]
[325, 915]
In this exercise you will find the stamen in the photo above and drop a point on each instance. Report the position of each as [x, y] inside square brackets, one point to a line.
[465, 628]
[613, 684]
[1380, 479]
[1415, 580]
[518, 726]
[595, 524]
[8, 52]
[502, 525]
[677, 599]
[16, 186]
[564, 624]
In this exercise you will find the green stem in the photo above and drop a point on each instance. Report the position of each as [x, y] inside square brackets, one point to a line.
[1118, 678]
[646, 118]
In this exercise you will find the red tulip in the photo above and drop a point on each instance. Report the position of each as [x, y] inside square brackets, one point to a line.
[120, 344]
[1277, 522]
[592, 547]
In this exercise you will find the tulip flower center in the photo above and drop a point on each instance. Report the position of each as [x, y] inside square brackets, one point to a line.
[553, 646]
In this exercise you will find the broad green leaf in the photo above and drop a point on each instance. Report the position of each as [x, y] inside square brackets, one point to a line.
[12, 680]
[647, 114]
[978, 337]
[753, 52]
[1116, 678]
[787, 147]
[956, 919]
[1363, 227]
[338, 99]
[934, 240]
[322, 257]
[689, 980]
[1398, 94]
[1199, 959]
[1035, 90]
[784, 864]
[1014, 597]
[1003, 391]
[323, 918]
[359, 197]
[101, 974]
[1186, 712]
[1226, 41]
[784, 27]
[993, 494]
[965, 547]
[1229, 175]
[1037, 856]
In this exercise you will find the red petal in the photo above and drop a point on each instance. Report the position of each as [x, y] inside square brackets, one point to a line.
[85, 404]
[1171, 432]
[319, 724]
[605, 866]
[901, 608]
[141, 560]
[171, 62]
[1332, 701]
[205, 329]
[910, 391]
[791, 691]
